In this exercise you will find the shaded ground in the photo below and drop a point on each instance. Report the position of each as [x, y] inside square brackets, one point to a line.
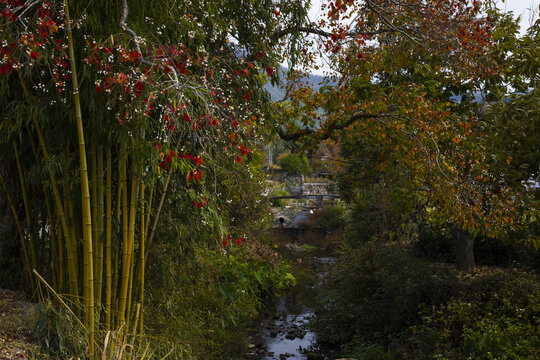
[16, 325]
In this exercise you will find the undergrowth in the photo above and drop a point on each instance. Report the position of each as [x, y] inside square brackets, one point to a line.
[381, 301]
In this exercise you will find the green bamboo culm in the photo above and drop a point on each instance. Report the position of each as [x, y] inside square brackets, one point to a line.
[141, 259]
[108, 236]
[122, 297]
[33, 255]
[85, 192]
[72, 268]
[100, 212]
[131, 237]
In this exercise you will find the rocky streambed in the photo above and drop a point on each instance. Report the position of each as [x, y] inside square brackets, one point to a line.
[283, 333]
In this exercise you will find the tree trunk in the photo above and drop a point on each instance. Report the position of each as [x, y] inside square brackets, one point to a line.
[464, 250]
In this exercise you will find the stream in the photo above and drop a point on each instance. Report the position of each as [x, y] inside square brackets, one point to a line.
[282, 331]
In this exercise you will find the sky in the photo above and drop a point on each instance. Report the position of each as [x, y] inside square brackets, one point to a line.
[518, 7]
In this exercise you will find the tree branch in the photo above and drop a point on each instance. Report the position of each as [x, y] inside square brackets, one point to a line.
[330, 128]
[316, 31]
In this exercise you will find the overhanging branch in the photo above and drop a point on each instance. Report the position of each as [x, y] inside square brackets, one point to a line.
[327, 131]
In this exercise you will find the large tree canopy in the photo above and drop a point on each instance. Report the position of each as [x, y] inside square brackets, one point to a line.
[408, 78]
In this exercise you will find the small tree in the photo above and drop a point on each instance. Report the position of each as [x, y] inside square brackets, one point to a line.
[294, 163]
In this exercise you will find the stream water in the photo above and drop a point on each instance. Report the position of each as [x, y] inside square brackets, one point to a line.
[283, 330]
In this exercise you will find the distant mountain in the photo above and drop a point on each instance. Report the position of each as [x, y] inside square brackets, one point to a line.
[278, 93]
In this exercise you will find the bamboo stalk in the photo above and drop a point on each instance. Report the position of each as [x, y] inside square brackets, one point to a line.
[93, 206]
[125, 244]
[59, 251]
[119, 250]
[61, 265]
[58, 202]
[33, 255]
[108, 232]
[141, 259]
[85, 192]
[131, 236]
[158, 212]
[71, 246]
[99, 233]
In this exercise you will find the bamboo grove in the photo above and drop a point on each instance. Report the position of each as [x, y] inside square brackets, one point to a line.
[101, 105]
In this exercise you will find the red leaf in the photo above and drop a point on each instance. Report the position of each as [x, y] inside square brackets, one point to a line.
[139, 87]
[198, 160]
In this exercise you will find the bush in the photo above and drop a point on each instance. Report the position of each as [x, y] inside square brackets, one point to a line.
[214, 298]
[279, 202]
[435, 242]
[373, 293]
[498, 323]
[294, 163]
[329, 217]
[382, 297]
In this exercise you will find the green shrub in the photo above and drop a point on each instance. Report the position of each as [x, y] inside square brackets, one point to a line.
[294, 164]
[499, 323]
[374, 292]
[214, 298]
[435, 242]
[330, 217]
[381, 297]
[279, 202]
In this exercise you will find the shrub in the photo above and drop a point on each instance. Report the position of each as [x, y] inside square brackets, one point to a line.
[214, 298]
[382, 297]
[279, 202]
[435, 242]
[373, 293]
[326, 217]
[498, 323]
[294, 163]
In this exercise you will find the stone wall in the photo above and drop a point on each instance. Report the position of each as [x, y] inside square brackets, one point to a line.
[316, 189]
[294, 184]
